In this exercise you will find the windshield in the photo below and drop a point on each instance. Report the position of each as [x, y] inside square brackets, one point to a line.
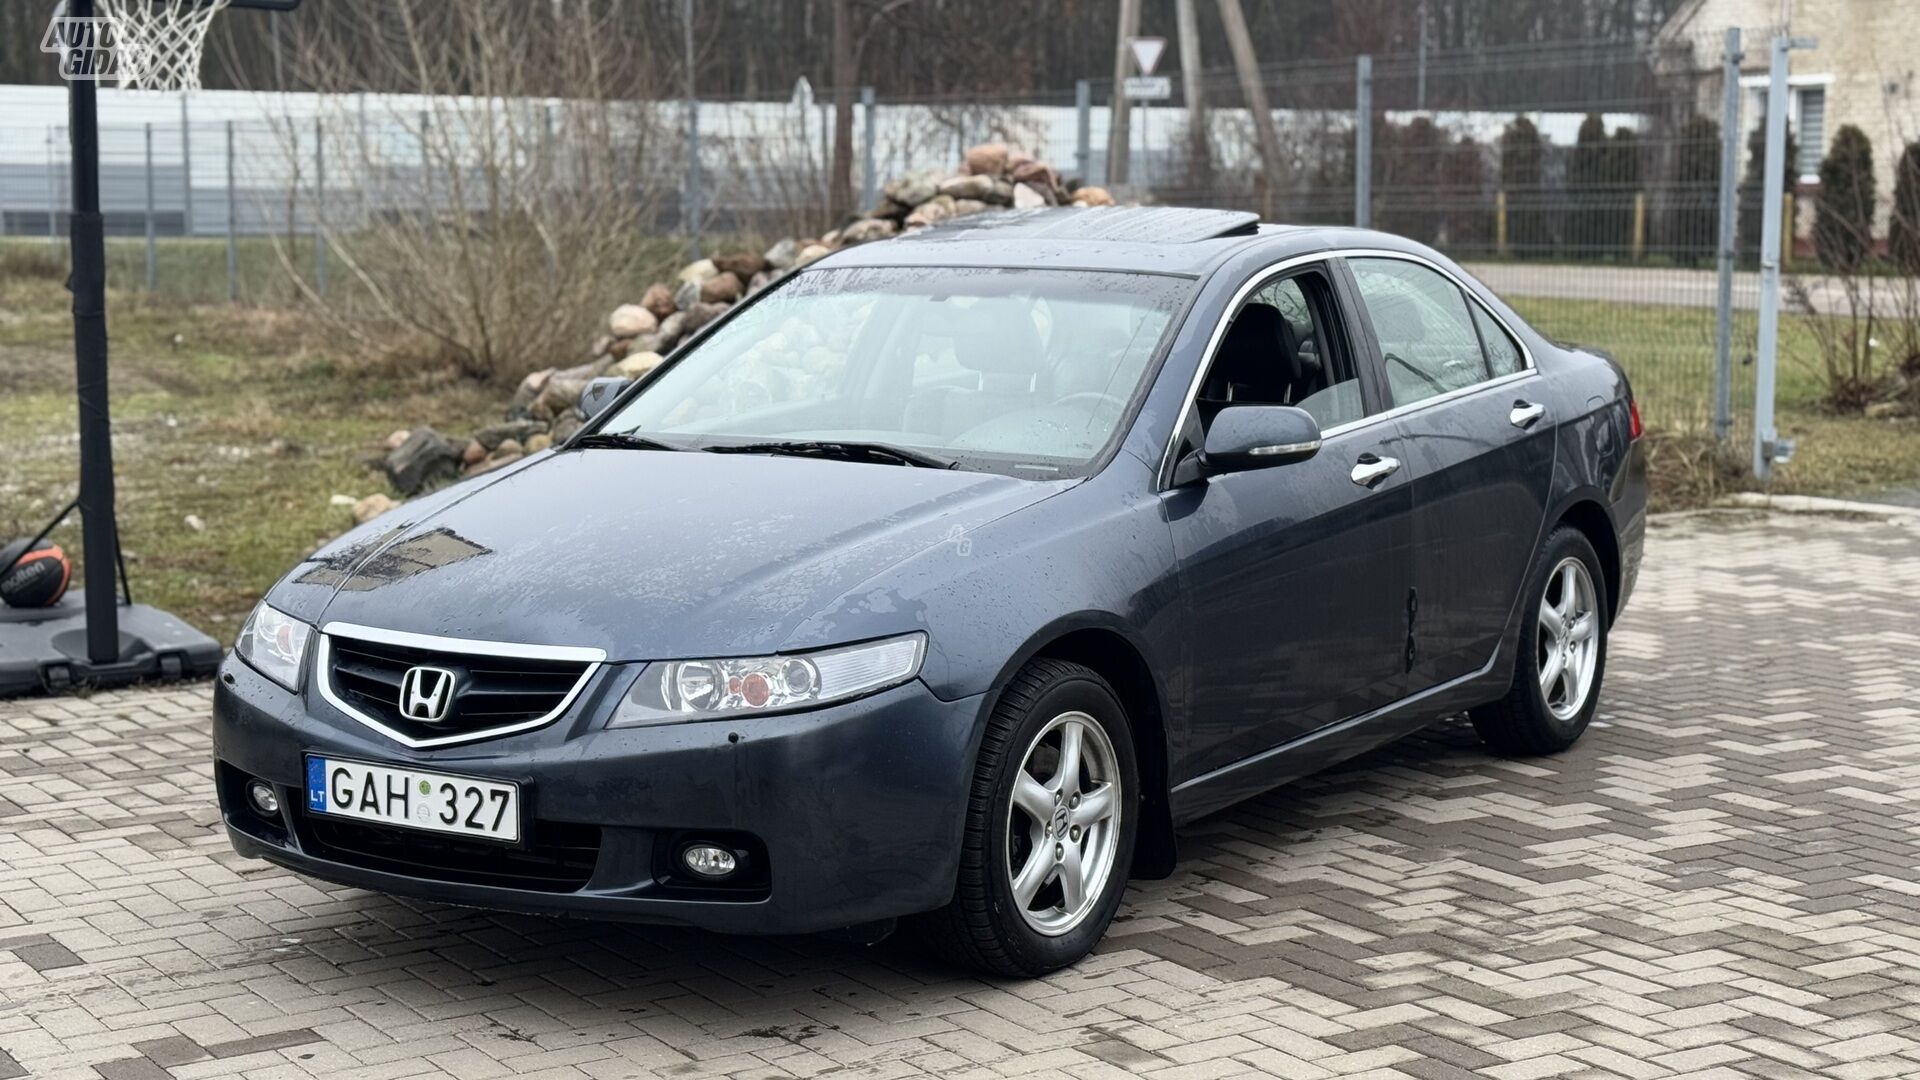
[1021, 372]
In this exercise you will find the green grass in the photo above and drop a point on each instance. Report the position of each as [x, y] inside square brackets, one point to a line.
[250, 424]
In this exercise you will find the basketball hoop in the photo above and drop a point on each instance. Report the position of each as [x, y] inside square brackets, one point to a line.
[161, 42]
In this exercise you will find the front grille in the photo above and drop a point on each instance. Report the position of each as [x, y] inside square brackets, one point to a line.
[490, 692]
[557, 857]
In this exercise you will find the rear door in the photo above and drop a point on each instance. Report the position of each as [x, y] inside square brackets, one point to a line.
[1480, 441]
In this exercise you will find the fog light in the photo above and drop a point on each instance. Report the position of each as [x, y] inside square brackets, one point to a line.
[265, 802]
[709, 861]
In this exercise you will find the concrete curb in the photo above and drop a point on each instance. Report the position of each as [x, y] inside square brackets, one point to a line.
[1812, 504]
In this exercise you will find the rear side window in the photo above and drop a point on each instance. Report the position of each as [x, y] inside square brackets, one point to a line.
[1503, 353]
[1425, 327]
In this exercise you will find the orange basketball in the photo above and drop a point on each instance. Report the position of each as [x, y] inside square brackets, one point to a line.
[39, 579]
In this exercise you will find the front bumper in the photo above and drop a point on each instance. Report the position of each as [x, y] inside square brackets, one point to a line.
[859, 806]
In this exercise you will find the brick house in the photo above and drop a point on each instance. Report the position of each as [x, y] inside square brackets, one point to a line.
[1865, 72]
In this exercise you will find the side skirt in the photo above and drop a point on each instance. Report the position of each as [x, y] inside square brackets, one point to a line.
[1330, 745]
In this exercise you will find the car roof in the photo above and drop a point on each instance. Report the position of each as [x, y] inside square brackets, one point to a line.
[1186, 241]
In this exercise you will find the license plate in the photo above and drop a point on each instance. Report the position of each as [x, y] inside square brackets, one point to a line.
[414, 799]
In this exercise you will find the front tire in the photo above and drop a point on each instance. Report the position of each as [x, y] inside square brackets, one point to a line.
[1050, 827]
[1562, 655]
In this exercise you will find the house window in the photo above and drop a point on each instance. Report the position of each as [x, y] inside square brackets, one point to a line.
[1810, 125]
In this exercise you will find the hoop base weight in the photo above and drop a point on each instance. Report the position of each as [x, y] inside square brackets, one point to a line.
[44, 650]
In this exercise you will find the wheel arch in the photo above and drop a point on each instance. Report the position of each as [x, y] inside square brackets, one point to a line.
[1590, 516]
[1121, 662]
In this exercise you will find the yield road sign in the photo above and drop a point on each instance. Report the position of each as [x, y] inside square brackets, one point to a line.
[1146, 52]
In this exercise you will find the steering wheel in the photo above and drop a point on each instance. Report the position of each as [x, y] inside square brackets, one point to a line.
[1099, 397]
[1417, 373]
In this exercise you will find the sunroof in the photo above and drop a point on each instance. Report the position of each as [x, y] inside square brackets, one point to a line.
[1134, 224]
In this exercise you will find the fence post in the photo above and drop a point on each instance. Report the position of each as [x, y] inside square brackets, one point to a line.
[870, 163]
[1768, 447]
[1083, 129]
[186, 169]
[1723, 301]
[1363, 142]
[319, 206]
[1500, 222]
[233, 243]
[690, 199]
[152, 263]
[426, 168]
[53, 197]
[1639, 239]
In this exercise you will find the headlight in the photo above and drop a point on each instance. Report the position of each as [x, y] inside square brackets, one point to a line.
[676, 690]
[274, 643]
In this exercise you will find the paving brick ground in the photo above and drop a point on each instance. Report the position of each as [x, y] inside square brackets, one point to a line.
[1719, 881]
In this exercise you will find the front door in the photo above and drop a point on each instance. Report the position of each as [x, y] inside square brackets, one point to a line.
[1476, 418]
[1295, 576]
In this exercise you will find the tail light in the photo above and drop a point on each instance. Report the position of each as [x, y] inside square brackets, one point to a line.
[1634, 428]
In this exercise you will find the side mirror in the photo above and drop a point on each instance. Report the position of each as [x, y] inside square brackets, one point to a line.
[1256, 436]
[600, 393]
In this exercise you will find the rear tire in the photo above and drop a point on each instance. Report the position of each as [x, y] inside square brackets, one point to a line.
[1562, 653]
[1035, 895]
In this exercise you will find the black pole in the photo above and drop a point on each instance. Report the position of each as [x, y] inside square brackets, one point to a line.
[89, 285]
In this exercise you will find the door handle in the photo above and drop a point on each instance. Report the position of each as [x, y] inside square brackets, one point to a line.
[1370, 469]
[1525, 414]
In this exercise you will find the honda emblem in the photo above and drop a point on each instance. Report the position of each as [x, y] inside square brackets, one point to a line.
[426, 694]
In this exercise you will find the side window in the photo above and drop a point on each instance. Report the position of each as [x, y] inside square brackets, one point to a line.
[1503, 353]
[1282, 348]
[1426, 332]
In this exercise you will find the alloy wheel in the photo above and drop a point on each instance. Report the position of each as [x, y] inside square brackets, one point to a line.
[1063, 827]
[1568, 649]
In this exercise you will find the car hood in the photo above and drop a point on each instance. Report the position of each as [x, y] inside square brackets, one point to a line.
[653, 554]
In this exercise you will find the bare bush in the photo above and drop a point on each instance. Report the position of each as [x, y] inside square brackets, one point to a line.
[499, 201]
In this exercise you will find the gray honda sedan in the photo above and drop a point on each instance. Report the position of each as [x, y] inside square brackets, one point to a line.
[942, 582]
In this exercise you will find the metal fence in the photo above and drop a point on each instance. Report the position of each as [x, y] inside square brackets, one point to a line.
[1602, 189]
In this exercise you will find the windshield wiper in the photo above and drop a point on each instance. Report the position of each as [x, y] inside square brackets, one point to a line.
[620, 440]
[876, 453]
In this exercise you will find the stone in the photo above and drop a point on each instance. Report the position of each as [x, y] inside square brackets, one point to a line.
[938, 208]
[963, 207]
[424, 458]
[671, 328]
[635, 365]
[539, 442]
[560, 394]
[342, 500]
[602, 344]
[1888, 410]
[631, 320]
[761, 280]
[782, 255]
[867, 229]
[658, 299]
[475, 451]
[528, 390]
[1092, 196]
[741, 264]
[393, 441]
[830, 239]
[566, 424]
[616, 349]
[702, 314]
[371, 507]
[491, 436]
[687, 295]
[987, 159]
[723, 288]
[646, 343]
[914, 188]
[195, 522]
[1002, 194]
[1026, 197]
[511, 446]
[968, 187]
[698, 272]
[811, 253]
[1037, 173]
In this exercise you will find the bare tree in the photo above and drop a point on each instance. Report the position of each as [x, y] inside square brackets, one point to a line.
[526, 134]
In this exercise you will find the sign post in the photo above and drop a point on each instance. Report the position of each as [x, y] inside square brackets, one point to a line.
[1146, 86]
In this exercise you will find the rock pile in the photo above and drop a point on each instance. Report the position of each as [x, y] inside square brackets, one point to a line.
[545, 407]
